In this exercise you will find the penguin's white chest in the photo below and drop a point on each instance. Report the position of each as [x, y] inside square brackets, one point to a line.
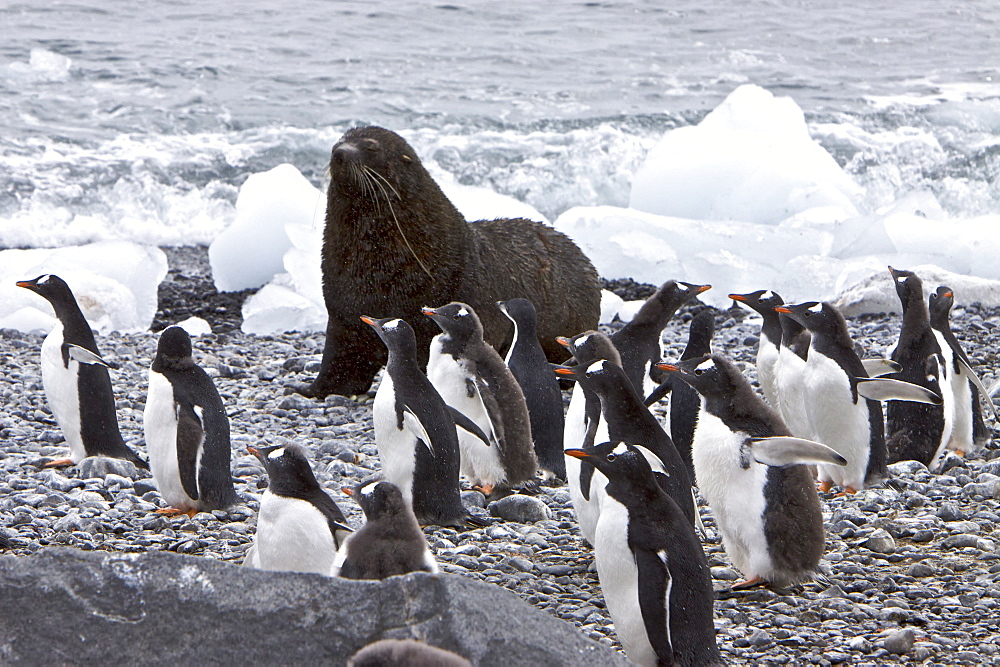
[159, 423]
[735, 493]
[293, 536]
[396, 444]
[62, 390]
[837, 421]
[789, 381]
[586, 510]
[451, 377]
[767, 360]
[619, 579]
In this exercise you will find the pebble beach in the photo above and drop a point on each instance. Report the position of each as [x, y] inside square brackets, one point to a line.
[911, 572]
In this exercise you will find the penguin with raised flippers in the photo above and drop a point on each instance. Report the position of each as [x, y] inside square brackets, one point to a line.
[640, 341]
[914, 431]
[526, 360]
[630, 421]
[187, 431]
[389, 543]
[653, 571]
[299, 526]
[754, 475]
[415, 431]
[969, 432]
[472, 378]
[76, 380]
[585, 426]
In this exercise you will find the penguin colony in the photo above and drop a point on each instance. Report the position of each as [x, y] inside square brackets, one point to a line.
[750, 453]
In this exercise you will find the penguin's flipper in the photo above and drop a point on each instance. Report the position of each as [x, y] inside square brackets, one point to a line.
[252, 559]
[412, 423]
[659, 392]
[466, 424]
[339, 529]
[83, 355]
[190, 438]
[479, 389]
[884, 389]
[655, 584]
[879, 367]
[983, 391]
[785, 450]
[339, 560]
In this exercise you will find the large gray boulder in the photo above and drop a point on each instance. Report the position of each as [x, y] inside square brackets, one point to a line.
[69, 606]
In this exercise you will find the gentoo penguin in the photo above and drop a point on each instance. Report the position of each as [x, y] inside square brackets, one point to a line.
[299, 526]
[789, 376]
[409, 652]
[969, 433]
[415, 431]
[472, 378]
[639, 341]
[914, 431]
[526, 360]
[839, 416]
[586, 426]
[653, 571]
[389, 543]
[763, 302]
[629, 420]
[684, 401]
[752, 473]
[187, 431]
[76, 381]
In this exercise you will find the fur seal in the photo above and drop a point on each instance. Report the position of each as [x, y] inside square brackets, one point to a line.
[393, 243]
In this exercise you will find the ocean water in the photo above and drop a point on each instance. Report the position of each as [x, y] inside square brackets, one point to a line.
[139, 121]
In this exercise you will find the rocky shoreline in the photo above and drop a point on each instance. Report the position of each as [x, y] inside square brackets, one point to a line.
[911, 571]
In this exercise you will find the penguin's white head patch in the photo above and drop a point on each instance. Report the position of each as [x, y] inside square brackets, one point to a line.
[276, 454]
[706, 365]
[462, 312]
[596, 366]
[767, 295]
[900, 279]
[582, 340]
[391, 324]
[44, 280]
[369, 489]
[621, 448]
[818, 308]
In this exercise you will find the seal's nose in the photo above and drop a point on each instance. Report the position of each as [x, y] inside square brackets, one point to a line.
[343, 152]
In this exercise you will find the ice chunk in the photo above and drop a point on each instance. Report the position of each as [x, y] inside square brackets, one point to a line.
[611, 303]
[115, 284]
[251, 250]
[750, 159]
[195, 326]
[876, 292]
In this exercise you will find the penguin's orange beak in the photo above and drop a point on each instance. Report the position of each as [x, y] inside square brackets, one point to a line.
[562, 340]
[428, 311]
[564, 372]
[576, 453]
[348, 490]
[948, 295]
[25, 283]
[667, 367]
[782, 309]
[253, 450]
[737, 297]
[368, 320]
[702, 288]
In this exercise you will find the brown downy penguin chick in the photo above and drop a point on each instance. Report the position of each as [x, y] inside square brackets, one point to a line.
[393, 243]
[389, 543]
[754, 476]
[472, 378]
[405, 653]
[639, 341]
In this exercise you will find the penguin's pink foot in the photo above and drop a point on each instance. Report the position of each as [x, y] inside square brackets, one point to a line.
[747, 583]
[59, 463]
[825, 486]
[849, 491]
[960, 452]
[173, 511]
[485, 489]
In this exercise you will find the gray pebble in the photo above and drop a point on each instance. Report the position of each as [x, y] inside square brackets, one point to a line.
[900, 642]
[520, 508]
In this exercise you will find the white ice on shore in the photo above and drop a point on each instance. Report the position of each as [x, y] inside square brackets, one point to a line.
[115, 284]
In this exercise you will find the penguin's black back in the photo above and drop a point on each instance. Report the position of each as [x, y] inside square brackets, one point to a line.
[913, 430]
[684, 400]
[531, 369]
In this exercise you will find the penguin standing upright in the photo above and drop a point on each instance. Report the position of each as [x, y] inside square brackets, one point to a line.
[753, 475]
[76, 381]
[969, 432]
[653, 571]
[769, 346]
[684, 401]
[472, 378]
[629, 420]
[187, 431]
[389, 543]
[299, 526]
[415, 431]
[915, 431]
[840, 417]
[585, 426]
[640, 341]
[789, 376]
[526, 360]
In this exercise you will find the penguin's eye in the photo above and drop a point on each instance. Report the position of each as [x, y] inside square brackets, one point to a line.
[611, 457]
[698, 371]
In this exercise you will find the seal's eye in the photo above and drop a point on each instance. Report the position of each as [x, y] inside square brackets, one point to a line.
[406, 158]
